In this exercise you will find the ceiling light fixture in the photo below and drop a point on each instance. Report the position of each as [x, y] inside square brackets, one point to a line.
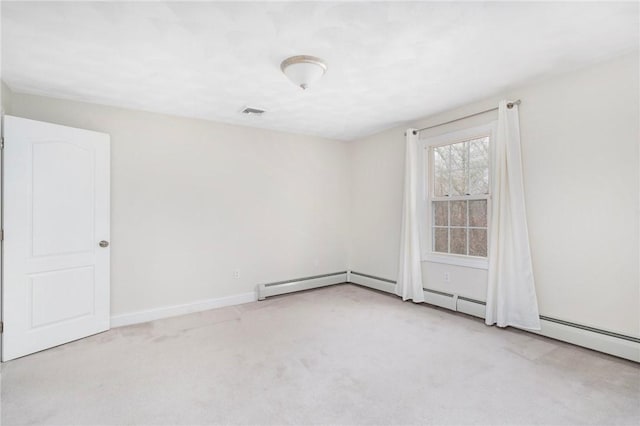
[303, 70]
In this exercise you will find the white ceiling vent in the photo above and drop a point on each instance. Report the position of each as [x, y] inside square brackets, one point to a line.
[252, 111]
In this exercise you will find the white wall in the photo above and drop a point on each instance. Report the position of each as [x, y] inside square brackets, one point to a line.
[580, 136]
[193, 200]
[5, 94]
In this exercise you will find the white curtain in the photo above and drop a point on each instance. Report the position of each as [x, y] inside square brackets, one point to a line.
[511, 294]
[409, 285]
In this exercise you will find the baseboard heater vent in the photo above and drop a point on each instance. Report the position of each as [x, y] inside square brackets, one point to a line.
[299, 284]
[371, 281]
[616, 344]
[440, 298]
[591, 329]
[472, 307]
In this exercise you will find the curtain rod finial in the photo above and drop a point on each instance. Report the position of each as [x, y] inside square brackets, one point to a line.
[511, 104]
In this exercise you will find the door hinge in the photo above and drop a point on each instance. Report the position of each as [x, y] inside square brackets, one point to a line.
[1, 327]
[2, 235]
[2, 142]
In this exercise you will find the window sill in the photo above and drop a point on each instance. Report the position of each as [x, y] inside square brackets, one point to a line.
[467, 261]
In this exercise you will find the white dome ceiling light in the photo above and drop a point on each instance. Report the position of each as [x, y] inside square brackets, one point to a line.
[303, 70]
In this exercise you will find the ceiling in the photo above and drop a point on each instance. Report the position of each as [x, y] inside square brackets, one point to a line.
[389, 62]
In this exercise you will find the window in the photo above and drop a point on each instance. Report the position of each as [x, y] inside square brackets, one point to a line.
[457, 193]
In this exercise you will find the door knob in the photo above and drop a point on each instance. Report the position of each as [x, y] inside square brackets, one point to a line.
[104, 243]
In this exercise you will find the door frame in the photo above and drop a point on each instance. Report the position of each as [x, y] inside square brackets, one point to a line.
[2, 113]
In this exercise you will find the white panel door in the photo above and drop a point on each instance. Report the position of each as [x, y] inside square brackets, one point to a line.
[56, 234]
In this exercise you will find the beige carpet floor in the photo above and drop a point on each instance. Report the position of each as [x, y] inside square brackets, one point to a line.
[338, 355]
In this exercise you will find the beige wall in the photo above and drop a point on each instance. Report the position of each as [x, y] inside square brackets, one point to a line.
[580, 137]
[193, 201]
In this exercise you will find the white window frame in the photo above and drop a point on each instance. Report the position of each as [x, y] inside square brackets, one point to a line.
[426, 189]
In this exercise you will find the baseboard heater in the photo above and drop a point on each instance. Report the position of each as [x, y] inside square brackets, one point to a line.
[299, 284]
[616, 344]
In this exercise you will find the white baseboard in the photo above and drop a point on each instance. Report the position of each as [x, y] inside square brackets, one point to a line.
[299, 284]
[598, 340]
[588, 337]
[185, 308]
[264, 290]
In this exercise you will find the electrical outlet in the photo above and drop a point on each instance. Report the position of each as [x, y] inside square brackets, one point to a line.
[447, 277]
[236, 274]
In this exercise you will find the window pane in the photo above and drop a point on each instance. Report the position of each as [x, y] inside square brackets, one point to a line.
[458, 182]
[441, 170]
[458, 213]
[459, 240]
[441, 240]
[478, 242]
[441, 213]
[459, 158]
[479, 166]
[441, 183]
[478, 213]
[479, 153]
[478, 181]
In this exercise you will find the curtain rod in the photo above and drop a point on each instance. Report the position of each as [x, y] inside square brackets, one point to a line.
[509, 105]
